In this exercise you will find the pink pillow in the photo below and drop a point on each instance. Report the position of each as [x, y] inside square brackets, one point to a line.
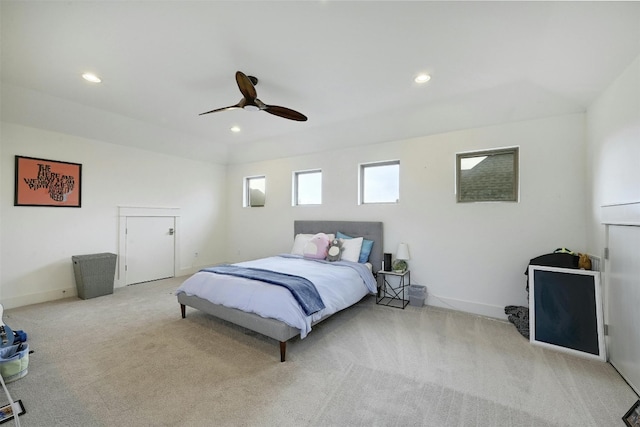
[317, 247]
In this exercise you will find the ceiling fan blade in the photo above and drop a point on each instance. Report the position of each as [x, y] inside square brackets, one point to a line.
[247, 88]
[250, 101]
[287, 113]
[231, 107]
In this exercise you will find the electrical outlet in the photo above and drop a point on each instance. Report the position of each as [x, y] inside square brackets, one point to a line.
[195, 255]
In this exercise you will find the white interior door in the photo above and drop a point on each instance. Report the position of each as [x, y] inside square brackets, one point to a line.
[624, 297]
[150, 248]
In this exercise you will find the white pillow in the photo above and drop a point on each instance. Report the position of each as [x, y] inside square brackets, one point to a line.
[301, 241]
[351, 249]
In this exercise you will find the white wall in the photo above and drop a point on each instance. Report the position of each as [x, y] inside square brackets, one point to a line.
[38, 242]
[613, 141]
[471, 257]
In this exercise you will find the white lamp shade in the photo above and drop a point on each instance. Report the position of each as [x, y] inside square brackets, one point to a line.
[403, 252]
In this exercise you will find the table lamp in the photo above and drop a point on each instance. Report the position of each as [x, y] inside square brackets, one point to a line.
[402, 255]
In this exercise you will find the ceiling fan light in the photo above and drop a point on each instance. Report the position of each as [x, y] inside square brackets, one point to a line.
[251, 107]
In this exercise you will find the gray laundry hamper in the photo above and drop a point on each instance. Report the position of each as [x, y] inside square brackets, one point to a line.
[94, 274]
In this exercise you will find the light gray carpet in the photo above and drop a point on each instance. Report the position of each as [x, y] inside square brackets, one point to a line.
[128, 359]
[403, 401]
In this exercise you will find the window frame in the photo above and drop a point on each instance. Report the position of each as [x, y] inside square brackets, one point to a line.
[295, 186]
[247, 191]
[515, 187]
[361, 181]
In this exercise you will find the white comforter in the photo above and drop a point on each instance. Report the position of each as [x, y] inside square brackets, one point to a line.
[340, 285]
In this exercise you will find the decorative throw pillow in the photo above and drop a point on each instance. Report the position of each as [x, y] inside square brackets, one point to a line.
[317, 247]
[299, 243]
[351, 249]
[335, 250]
[365, 250]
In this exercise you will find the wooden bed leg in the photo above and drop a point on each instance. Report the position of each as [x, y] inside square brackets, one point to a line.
[183, 309]
[283, 350]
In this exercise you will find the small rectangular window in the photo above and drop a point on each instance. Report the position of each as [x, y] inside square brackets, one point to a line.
[307, 187]
[254, 191]
[487, 176]
[380, 182]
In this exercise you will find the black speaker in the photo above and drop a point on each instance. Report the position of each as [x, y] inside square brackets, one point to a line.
[387, 262]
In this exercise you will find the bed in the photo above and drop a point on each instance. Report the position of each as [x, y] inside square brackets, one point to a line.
[191, 293]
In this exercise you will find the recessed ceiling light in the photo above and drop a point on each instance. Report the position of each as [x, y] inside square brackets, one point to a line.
[90, 77]
[235, 129]
[422, 78]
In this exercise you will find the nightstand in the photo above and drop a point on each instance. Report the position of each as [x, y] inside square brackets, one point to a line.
[391, 286]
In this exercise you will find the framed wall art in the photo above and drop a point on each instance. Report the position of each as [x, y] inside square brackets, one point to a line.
[565, 311]
[632, 417]
[41, 182]
[6, 411]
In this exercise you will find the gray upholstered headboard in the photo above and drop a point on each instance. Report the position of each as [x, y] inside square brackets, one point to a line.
[370, 230]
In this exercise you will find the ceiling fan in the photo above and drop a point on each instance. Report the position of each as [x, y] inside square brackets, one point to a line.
[250, 102]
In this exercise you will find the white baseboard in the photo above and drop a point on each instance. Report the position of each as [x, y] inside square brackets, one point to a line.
[433, 300]
[39, 297]
[187, 271]
[466, 306]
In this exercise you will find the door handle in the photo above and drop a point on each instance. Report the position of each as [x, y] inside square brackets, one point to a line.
[171, 232]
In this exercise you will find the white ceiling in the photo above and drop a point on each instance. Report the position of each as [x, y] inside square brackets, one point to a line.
[348, 66]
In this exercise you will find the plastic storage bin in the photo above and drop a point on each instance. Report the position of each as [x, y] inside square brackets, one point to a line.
[94, 274]
[417, 295]
[14, 362]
